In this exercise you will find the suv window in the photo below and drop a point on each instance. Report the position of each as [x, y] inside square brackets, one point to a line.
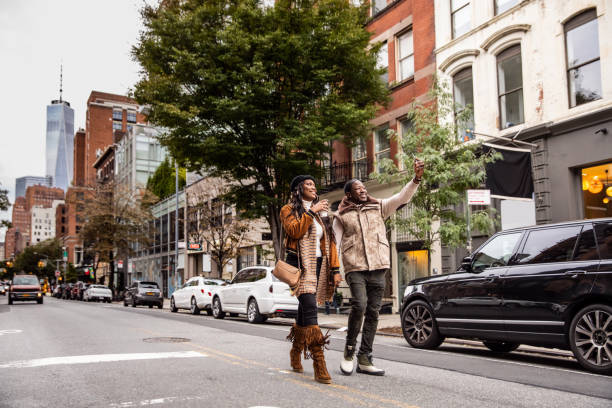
[549, 245]
[25, 280]
[604, 239]
[242, 276]
[496, 252]
[149, 285]
[586, 250]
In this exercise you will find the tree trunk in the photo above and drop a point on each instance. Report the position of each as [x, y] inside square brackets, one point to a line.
[277, 231]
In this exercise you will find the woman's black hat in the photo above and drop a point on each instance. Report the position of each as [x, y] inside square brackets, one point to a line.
[298, 179]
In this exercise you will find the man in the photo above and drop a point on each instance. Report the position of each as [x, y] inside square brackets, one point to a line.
[359, 227]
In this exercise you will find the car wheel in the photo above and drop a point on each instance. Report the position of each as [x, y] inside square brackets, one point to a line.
[173, 308]
[150, 306]
[591, 338]
[39, 301]
[133, 302]
[501, 346]
[161, 305]
[125, 302]
[218, 312]
[108, 300]
[419, 326]
[10, 301]
[194, 309]
[253, 315]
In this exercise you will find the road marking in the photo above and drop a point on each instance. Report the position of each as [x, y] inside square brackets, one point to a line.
[100, 358]
[10, 331]
[155, 401]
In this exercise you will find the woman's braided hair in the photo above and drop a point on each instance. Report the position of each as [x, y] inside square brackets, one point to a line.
[298, 208]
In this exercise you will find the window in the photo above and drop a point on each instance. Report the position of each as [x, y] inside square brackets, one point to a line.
[496, 252]
[549, 245]
[117, 114]
[503, 5]
[242, 276]
[405, 56]
[360, 158]
[510, 87]
[604, 239]
[382, 145]
[586, 250]
[460, 17]
[383, 62]
[131, 116]
[378, 5]
[117, 126]
[597, 191]
[463, 95]
[583, 65]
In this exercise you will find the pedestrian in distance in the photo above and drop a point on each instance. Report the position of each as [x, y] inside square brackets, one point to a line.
[309, 236]
[359, 228]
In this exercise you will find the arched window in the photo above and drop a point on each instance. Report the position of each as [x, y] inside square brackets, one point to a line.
[463, 96]
[582, 56]
[510, 87]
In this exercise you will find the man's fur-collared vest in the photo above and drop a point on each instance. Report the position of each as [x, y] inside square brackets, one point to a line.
[364, 243]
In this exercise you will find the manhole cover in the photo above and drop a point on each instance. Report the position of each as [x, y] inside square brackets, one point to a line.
[166, 340]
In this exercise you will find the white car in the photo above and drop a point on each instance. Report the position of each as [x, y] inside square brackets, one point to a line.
[254, 291]
[195, 295]
[98, 292]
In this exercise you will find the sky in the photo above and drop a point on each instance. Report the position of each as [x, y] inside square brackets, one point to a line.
[91, 38]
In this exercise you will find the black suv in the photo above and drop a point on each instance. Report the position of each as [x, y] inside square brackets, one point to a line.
[143, 293]
[547, 285]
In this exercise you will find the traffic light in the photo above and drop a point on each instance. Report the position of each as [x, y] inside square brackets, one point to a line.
[9, 264]
[59, 278]
[41, 264]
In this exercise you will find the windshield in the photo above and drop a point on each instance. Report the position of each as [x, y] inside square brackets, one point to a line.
[148, 285]
[25, 280]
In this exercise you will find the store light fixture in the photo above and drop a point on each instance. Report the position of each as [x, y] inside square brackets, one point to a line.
[595, 186]
[606, 200]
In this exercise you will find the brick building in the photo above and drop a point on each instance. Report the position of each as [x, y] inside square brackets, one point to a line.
[79, 158]
[406, 29]
[17, 236]
[42, 196]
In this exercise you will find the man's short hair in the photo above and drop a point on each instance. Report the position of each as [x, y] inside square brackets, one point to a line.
[348, 185]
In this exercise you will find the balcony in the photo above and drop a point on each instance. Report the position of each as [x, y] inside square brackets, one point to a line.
[334, 176]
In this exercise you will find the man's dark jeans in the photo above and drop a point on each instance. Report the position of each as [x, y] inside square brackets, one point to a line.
[367, 289]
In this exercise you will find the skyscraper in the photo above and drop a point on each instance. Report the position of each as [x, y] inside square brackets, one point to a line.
[22, 183]
[60, 143]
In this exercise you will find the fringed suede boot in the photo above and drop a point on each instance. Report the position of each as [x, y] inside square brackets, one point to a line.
[316, 342]
[297, 335]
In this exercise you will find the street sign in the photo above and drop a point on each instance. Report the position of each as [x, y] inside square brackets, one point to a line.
[120, 264]
[64, 254]
[57, 273]
[479, 197]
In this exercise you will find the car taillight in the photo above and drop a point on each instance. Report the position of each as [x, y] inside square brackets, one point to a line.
[209, 294]
[271, 288]
[202, 290]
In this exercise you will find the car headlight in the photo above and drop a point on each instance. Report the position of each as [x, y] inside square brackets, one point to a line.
[409, 289]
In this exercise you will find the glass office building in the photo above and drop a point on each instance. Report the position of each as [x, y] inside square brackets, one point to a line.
[22, 183]
[60, 143]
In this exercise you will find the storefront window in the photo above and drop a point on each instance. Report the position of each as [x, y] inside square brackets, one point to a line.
[597, 191]
[411, 265]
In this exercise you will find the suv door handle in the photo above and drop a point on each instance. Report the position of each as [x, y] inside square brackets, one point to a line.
[492, 277]
[575, 274]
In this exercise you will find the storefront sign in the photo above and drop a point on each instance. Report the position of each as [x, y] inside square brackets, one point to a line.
[479, 197]
[195, 246]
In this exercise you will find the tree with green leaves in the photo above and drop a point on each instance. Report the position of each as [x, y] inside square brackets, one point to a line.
[254, 94]
[4, 206]
[451, 168]
[163, 182]
[46, 252]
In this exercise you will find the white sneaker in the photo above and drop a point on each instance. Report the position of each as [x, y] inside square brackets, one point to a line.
[365, 365]
[348, 361]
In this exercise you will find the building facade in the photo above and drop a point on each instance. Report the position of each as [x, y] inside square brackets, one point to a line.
[534, 72]
[406, 30]
[60, 143]
[22, 183]
[42, 222]
[106, 113]
[138, 154]
[18, 236]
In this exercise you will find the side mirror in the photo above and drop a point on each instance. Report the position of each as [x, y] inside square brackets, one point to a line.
[466, 264]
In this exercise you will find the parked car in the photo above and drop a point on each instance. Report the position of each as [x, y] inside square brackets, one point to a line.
[195, 295]
[24, 288]
[255, 292]
[67, 290]
[143, 293]
[98, 293]
[3, 289]
[547, 285]
[74, 290]
[81, 288]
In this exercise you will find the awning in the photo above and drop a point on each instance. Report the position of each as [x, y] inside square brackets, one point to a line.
[510, 177]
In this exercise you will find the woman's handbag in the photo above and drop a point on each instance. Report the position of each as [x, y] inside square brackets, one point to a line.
[288, 274]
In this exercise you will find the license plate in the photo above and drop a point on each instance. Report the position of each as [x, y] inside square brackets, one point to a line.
[26, 295]
[150, 293]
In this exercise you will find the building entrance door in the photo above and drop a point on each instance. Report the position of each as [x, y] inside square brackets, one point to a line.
[412, 264]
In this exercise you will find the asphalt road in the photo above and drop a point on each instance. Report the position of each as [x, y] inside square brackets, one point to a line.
[76, 354]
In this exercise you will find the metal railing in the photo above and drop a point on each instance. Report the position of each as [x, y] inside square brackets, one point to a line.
[336, 175]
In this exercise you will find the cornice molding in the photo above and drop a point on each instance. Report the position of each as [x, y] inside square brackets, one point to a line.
[456, 57]
[504, 32]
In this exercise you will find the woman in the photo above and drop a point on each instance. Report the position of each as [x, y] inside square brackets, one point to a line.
[311, 238]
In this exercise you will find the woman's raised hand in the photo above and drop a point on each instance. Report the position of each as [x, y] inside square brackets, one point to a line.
[322, 205]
